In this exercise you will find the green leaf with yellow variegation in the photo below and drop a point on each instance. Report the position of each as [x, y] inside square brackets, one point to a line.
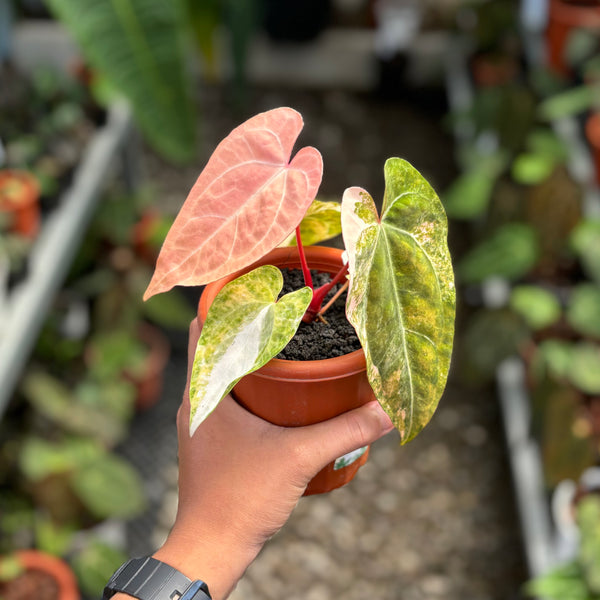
[321, 222]
[246, 327]
[401, 299]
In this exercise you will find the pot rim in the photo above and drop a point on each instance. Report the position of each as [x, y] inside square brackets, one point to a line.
[53, 566]
[324, 258]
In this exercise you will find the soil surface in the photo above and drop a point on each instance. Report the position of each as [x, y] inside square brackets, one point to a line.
[29, 586]
[320, 339]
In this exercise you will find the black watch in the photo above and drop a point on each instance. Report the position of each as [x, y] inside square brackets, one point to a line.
[150, 579]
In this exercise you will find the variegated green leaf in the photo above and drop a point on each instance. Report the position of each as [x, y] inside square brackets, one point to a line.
[401, 299]
[321, 222]
[245, 328]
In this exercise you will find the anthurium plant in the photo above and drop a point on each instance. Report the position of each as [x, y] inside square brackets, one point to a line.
[252, 197]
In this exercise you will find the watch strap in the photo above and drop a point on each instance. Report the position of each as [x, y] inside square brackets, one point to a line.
[150, 579]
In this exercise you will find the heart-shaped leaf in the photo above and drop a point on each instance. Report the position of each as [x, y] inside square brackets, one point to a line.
[248, 199]
[245, 328]
[321, 222]
[401, 299]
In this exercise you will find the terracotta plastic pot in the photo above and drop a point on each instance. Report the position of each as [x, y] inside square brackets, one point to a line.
[34, 560]
[563, 18]
[295, 393]
[19, 197]
[592, 132]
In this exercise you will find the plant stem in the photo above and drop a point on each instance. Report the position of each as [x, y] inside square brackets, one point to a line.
[305, 270]
[333, 299]
[319, 295]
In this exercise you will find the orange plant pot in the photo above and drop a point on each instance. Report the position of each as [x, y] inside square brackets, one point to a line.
[295, 393]
[19, 197]
[563, 18]
[34, 560]
[592, 132]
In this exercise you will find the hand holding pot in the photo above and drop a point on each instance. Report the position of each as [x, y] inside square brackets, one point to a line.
[240, 478]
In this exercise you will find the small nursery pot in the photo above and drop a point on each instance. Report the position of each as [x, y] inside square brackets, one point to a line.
[563, 17]
[294, 393]
[34, 560]
[19, 197]
[592, 132]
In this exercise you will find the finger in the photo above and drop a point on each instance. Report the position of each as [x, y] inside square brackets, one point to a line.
[324, 442]
[194, 334]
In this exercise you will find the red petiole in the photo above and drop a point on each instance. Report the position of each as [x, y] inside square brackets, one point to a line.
[320, 293]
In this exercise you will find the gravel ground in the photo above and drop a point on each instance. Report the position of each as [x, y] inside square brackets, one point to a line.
[432, 519]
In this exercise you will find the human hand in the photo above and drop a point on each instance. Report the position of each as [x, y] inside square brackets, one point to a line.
[240, 477]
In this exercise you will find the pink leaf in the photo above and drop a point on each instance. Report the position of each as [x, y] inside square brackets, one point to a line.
[247, 200]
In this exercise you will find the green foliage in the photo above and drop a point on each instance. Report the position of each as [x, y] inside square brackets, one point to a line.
[400, 272]
[584, 368]
[101, 415]
[510, 252]
[321, 222]
[138, 46]
[109, 487]
[583, 311]
[539, 307]
[94, 566]
[585, 241]
[580, 578]
[246, 327]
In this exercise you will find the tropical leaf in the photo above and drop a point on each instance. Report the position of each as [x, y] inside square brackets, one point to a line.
[401, 299]
[245, 328]
[247, 200]
[137, 45]
[538, 306]
[511, 252]
[321, 222]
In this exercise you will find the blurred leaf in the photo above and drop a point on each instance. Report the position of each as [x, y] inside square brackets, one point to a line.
[570, 102]
[584, 368]
[52, 538]
[510, 252]
[539, 307]
[531, 169]
[94, 566]
[583, 311]
[169, 310]
[585, 241]
[588, 519]
[138, 46]
[562, 583]
[40, 458]
[552, 358]
[110, 487]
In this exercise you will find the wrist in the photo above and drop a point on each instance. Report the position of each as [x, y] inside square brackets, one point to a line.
[219, 562]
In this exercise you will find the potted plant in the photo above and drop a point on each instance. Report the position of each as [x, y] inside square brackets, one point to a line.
[33, 574]
[400, 299]
[19, 197]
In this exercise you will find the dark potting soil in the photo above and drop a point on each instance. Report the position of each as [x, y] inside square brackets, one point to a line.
[29, 585]
[319, 340]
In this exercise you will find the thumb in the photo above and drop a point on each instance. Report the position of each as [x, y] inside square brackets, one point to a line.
[324, 442]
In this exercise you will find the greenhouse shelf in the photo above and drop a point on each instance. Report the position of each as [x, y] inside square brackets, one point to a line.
[23, 311]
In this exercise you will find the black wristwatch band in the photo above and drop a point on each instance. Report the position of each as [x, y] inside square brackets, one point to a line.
[150, 579]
